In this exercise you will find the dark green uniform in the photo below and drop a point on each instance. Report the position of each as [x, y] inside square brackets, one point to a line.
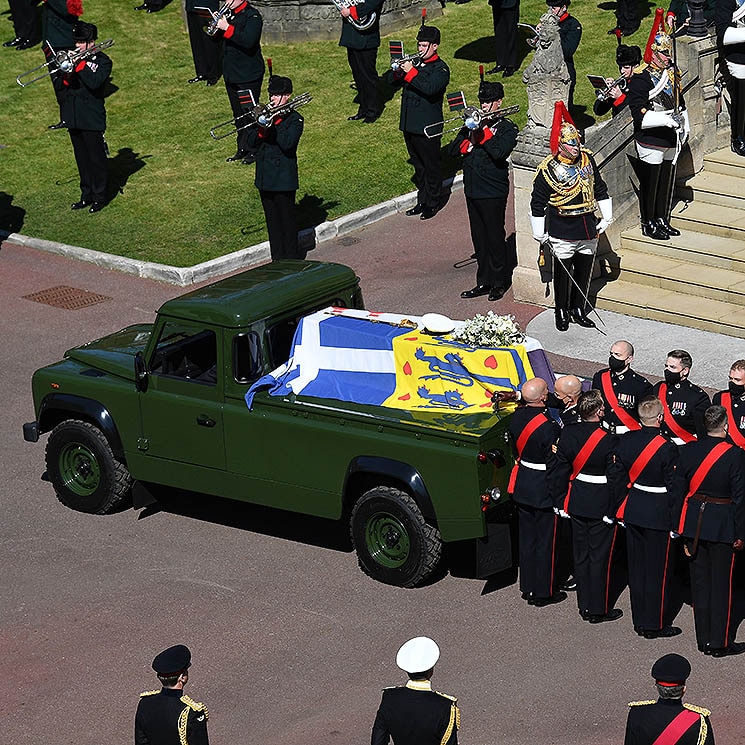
[206, 51]
[56, 31]
[570, 33]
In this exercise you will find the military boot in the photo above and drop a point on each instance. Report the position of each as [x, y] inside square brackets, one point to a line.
[583, 264]
[561, 293]
[664, 201]
[649, 175]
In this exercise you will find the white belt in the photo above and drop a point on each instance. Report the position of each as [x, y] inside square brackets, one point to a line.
[653, 489]
[620, 429]
[534, 466]
[591, 479]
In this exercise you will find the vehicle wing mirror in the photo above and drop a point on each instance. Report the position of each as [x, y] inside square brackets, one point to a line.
[140, 372]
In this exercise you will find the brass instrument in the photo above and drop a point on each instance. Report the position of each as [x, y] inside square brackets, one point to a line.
[471, 118]
[532, 41]
[603, 94]
[361, 24]
[62, 61]
[261, 114]
[222, 12]
[396, 62]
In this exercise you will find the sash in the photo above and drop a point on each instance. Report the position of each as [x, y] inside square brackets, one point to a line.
[734, 431]
[698, 477]
[639, 465]
[534, 424]
[610, 396]
[677, 728]
[672, 424]
[582, 457]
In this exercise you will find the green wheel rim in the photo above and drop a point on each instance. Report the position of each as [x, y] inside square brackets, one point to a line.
[80, 470]
[387, 540]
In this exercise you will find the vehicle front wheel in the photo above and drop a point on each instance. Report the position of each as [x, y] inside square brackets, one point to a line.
[394, 543]
[83, 470]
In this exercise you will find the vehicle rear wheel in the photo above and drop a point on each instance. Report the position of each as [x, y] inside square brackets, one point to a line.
[394, 543]
[83, 470]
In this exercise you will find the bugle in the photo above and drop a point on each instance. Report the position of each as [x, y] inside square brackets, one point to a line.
[532, 42]
[62, 61]
[469, 117]
[603, 94]
[261, 114]
[222, 12]
[361, 24]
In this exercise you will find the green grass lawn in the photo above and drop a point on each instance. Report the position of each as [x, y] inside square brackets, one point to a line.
[179, 202]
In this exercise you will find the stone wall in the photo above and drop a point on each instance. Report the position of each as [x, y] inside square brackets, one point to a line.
[291, 21]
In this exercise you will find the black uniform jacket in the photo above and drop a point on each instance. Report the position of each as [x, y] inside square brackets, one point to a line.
[600, 108]
[276, 157]
[722, 21]
[570, 33]
[242, 61]
[687, 403]
[423, 92]
[629, 387]
[737, 410]
[83, 107]
[725, 480]
[414, 717]
[162, 717]
[640, 85]
[352, 38]
[57, 23]
[486, 172]
[656, 510]
[648, 719]
[531, 487]
[587, 499]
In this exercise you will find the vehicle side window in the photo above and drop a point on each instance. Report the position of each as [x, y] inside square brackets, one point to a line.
[186, 351]
[247, 361]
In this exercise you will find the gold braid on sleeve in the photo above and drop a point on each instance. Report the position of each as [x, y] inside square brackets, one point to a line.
[453, 723]
[182, 721]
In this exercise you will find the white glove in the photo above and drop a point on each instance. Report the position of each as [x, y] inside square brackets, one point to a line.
[658, 119]
[538, 224]
[471, 123]
[734, 36]
[686, 126]
[564, 514]
[607, 520]
[606, 210]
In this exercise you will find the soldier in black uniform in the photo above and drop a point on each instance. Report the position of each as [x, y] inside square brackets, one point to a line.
[84, 114]
[533, 434]
[276, 142]
[684, 403]
[729, 19]
[168, 716]
[682, 724]
[567, 188]
[567, 390]
[614, 100]
[362, 55]
[485, 146]
[242, 66]
[711, 479]
[424, 87]
[733, 401]
[25, 24]
[622, 389]
[505, 15]
[650, 513]
[583, 479]
[414, 714]
[151, 6]
[570, 34]
[206, 50]
[661, 128]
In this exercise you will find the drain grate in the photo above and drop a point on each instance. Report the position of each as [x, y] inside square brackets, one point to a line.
[67, 298]
[348, 240]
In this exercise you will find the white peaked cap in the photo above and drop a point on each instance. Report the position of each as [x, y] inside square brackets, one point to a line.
[418, 655]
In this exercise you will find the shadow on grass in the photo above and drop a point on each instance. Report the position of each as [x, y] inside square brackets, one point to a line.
[11, 216]
[123, 165]
[312, 211]
[477, 50]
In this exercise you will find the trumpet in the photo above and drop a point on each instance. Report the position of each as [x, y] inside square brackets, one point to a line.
[396, 62]
[222, 12]
[603, 94]
[470, 117]
[62, 61]
[361, 24]
[260, 115]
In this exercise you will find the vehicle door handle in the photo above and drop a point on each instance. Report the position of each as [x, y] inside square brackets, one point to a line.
[205, 421]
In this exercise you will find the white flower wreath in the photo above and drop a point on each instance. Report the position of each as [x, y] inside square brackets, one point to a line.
[490, 330]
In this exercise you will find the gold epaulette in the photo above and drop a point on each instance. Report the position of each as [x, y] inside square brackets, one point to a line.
[543, 165]
[195, 705]
[698, 710]
[641, 67]
[588, 151]
[149, 693]
[641, 703]
[445, 695]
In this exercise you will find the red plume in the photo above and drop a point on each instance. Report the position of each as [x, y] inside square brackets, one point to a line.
[424, 16]
[658, 14]
[481, 72]
[75, 7]
[269, 65]
[619, 34]
[561, 115]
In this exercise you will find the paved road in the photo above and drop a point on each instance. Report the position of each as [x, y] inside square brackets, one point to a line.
[291, 642]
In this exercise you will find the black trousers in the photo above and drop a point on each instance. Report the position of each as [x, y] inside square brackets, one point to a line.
[627, 15]
[505, 35]
[90, 155]
[538, 533]
[235, 105]
[362, 63]
[25, 19]
[650, 572]
[593, 542]
[279, 211]
[424, 154]
[205, 50]
[736, 88]
[486, 218]
[711, 588]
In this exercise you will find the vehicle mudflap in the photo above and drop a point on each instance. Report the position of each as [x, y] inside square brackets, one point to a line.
[142, 496]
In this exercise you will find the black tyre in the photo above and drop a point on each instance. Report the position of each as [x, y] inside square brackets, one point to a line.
[394, 543]
[83, 470]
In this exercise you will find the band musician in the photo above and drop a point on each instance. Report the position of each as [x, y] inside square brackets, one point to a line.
[206, 50]
[613, 98]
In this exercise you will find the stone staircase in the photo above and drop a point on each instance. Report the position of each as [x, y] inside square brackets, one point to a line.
[698, 278]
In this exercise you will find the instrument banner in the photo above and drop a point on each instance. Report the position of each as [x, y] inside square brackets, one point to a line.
[367, 358]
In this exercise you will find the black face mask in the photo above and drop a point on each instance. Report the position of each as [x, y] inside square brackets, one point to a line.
[615, 364]
[736, 390]
[672, 378]
[554, 402]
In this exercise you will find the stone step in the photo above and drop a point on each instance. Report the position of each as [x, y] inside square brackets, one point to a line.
[726, 162]
[711, 219]
[714, 188]
[670, 306]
